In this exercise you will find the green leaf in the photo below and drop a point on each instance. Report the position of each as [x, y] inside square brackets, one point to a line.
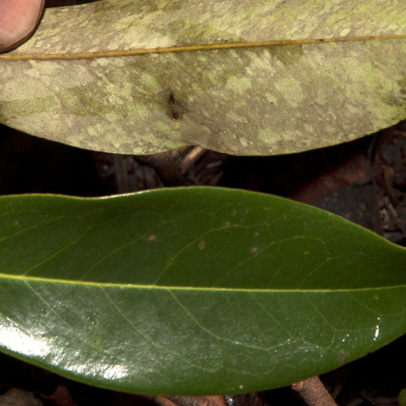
[192, 290]
[147, 76]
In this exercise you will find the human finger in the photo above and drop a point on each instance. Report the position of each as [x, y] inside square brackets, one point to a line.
[18, 20]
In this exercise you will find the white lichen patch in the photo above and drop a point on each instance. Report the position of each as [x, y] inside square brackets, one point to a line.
[236, 117]
[271, 98]
[291, 90]
[345, 32]
[239, 84]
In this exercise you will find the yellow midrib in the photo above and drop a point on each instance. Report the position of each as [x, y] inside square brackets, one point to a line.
[28, 279]
[187, 48]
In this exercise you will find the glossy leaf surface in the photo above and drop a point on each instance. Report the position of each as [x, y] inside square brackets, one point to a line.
[192, 291]
[148, 81]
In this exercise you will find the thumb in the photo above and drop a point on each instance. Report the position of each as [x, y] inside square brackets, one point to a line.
[18, 20]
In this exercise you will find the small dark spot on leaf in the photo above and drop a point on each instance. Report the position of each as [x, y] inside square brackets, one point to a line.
[175, 113]
[254, 250]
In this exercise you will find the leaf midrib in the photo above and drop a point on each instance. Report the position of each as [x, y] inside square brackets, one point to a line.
[185, 288]
[191, 48]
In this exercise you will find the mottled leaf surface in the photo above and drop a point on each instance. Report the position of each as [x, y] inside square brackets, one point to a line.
[252, 100]
[192, 291]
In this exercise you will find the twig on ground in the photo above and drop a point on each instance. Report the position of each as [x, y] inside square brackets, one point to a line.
[165, 166]
[190, 400]
[313, 392]
[191, 158]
